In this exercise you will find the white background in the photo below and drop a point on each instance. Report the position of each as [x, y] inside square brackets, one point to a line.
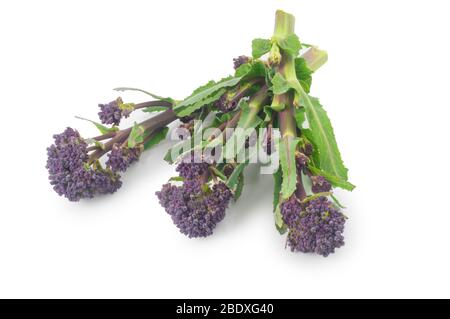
[386, 90]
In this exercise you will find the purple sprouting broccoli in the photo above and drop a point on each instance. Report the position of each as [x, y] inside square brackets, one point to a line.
[226, 104]
[320, 184]
[189, 169]
[70, 173]
[195, 207]
[308, 149]
[315, 227]
[113, 112]
[301, 161]
[290, 211]
[230, 100]
[73, 163]
[121, 157]
[242, 59]
[195, 210]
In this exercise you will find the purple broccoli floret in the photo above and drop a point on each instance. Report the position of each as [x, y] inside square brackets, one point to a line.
[69, 172]
[188, 169]
[121, 157]
[240, 60]
[301, 161]
[195, 211]
[320, 184]
[111, 113]
[318, 228]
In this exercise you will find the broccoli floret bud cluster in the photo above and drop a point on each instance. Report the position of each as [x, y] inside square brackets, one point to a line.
[69, 171]
[315, 228]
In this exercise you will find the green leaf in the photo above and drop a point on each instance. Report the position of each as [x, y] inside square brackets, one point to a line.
[224, 117]
[154, 109]
[307, 133]
[277, 180]
[290, 44]
[122, 89]
[204, 95]
[303, 74]
[243, 70]
[176, 179]
[102, 128]
[188, 110]
[239, 187]
[334, 180]
[233, 180]
[257, 69]
[268, 112]
[247, 120]
[260, 47]
[156, 138]
[126, 106]
[218, 173]
[322, 136]
[136, 136]
[279, 84]
[300, 117]
[279, 223]
[287, 160]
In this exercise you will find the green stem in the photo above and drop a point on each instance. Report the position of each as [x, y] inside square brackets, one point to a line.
[286, 118]
[255, 105]
[243, 90]
[152, 104]
[151, 124]
[284, 26]
[315, 58]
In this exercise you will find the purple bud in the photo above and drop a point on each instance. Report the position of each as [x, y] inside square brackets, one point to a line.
[195, 211]
[225, 105]
[317, 229]
[301, 161]
[290, 211]
[188, 169]
[69, 172]
[308, 149]
[121, 157]
[111, 113]
[320, 184]
[240, 60]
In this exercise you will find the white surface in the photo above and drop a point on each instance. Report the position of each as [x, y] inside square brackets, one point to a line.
[385, 88]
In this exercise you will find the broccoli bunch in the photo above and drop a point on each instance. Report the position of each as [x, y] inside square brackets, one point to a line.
[263, 113]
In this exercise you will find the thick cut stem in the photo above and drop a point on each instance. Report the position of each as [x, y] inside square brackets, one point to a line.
[284, 24]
